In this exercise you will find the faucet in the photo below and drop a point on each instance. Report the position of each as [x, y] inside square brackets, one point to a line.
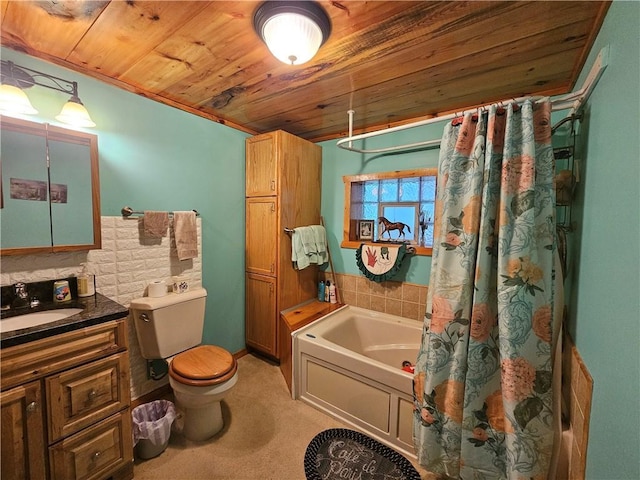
[21, 298]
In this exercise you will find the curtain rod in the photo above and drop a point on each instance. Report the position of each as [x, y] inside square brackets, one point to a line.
[128, 211]
[573, 100]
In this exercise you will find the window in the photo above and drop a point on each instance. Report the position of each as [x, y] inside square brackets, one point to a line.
[406, 201]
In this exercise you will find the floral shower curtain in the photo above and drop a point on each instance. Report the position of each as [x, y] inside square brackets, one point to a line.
[483, 377]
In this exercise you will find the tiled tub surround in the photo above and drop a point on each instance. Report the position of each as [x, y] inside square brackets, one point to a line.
[124, 267]
[577, 390]
[396, 298]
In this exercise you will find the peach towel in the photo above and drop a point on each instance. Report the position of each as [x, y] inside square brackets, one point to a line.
[155, 224]
[186, 234]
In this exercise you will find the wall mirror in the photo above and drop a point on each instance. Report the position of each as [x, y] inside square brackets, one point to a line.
[49, 189]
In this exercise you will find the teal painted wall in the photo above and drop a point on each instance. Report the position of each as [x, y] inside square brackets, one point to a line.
[155, 157]
[337, 162]
[604, 309]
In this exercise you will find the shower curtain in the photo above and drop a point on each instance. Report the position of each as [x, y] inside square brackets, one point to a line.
[483, 377]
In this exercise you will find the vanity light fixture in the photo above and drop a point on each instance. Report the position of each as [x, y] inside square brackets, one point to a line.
[13, 99]
[293, 31]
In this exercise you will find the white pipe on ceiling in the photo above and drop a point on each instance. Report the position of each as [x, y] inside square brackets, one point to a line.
[573, 101]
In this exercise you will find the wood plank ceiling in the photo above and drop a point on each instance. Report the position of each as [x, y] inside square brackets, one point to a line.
[390, 61]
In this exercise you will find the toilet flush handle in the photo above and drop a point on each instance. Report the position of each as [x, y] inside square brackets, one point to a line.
[145, 317]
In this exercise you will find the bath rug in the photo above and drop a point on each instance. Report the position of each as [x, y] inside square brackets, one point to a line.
[339, 453]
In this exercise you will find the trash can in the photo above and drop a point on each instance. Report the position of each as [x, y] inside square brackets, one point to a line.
[152, 427]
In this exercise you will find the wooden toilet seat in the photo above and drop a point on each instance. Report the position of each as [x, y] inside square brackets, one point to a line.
[203, 366]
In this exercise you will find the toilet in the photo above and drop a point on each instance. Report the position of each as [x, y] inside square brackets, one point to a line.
[170, 328]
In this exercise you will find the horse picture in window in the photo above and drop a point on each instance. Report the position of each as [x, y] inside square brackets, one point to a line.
[398, 222]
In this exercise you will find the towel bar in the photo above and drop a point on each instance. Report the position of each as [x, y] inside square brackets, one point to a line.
[128, 211]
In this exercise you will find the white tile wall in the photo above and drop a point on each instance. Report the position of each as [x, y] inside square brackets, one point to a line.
[123, 267]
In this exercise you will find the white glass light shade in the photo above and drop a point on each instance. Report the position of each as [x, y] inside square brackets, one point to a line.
[14, 100]
[292, 38]
[74, 113]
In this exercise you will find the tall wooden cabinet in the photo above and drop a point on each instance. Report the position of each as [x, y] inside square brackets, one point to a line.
[283, 183]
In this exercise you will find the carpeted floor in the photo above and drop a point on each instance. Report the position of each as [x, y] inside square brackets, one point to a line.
[265, 436]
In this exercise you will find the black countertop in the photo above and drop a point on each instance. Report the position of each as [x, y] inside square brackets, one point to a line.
[96, 309]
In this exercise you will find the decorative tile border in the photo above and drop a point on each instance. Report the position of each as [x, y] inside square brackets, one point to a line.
[397, 298]
[577, 391]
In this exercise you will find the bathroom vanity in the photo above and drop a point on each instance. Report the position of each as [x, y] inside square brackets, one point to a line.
[65, 397]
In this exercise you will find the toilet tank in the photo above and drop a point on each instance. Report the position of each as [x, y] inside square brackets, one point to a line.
[169, 325]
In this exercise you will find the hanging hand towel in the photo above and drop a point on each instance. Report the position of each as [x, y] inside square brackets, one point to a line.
[186, 234]
[155, 224]
[380, 263]
[320, 236]
[308, 246]
[308, 242]
[299, 255]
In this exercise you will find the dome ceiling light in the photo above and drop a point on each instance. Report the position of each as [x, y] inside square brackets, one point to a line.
[293, 31]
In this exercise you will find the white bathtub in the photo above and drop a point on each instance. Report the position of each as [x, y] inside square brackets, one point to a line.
[349, 365]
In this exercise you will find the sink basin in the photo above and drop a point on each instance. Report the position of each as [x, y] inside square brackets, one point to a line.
[36, 318]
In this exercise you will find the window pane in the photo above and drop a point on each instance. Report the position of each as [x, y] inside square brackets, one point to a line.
[428, 190]
[355, 212]
[371, 191]
[427, 210]
[389, 190]
[370, 211]
[409, 189]
[426, 224]
[427, 239]
[356, 193]
[400, 213]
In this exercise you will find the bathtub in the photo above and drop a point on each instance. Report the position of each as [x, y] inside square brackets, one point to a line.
[348, 364]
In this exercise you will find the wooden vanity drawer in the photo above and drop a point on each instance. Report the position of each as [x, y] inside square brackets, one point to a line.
[33, 360]
[81, 396]
[94, 453]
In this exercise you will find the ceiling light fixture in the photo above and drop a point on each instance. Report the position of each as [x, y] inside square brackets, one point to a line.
[15, 79]
[293, 31]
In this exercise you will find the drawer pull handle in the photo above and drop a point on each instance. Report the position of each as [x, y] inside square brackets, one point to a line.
[32, 407]
[92, 395]
[96, 456]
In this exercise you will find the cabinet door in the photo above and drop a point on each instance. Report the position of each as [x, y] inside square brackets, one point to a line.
[23, 451]
[56, 170]
[25, 189]
[261, 162]
[261, 314]
[261, 235]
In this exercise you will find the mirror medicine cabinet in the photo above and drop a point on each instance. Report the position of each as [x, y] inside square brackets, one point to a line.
[49, 189]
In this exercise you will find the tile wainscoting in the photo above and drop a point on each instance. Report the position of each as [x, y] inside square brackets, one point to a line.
[397, 298]
[123, 267]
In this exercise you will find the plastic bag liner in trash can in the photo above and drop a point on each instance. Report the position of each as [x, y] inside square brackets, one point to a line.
[152, 427]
